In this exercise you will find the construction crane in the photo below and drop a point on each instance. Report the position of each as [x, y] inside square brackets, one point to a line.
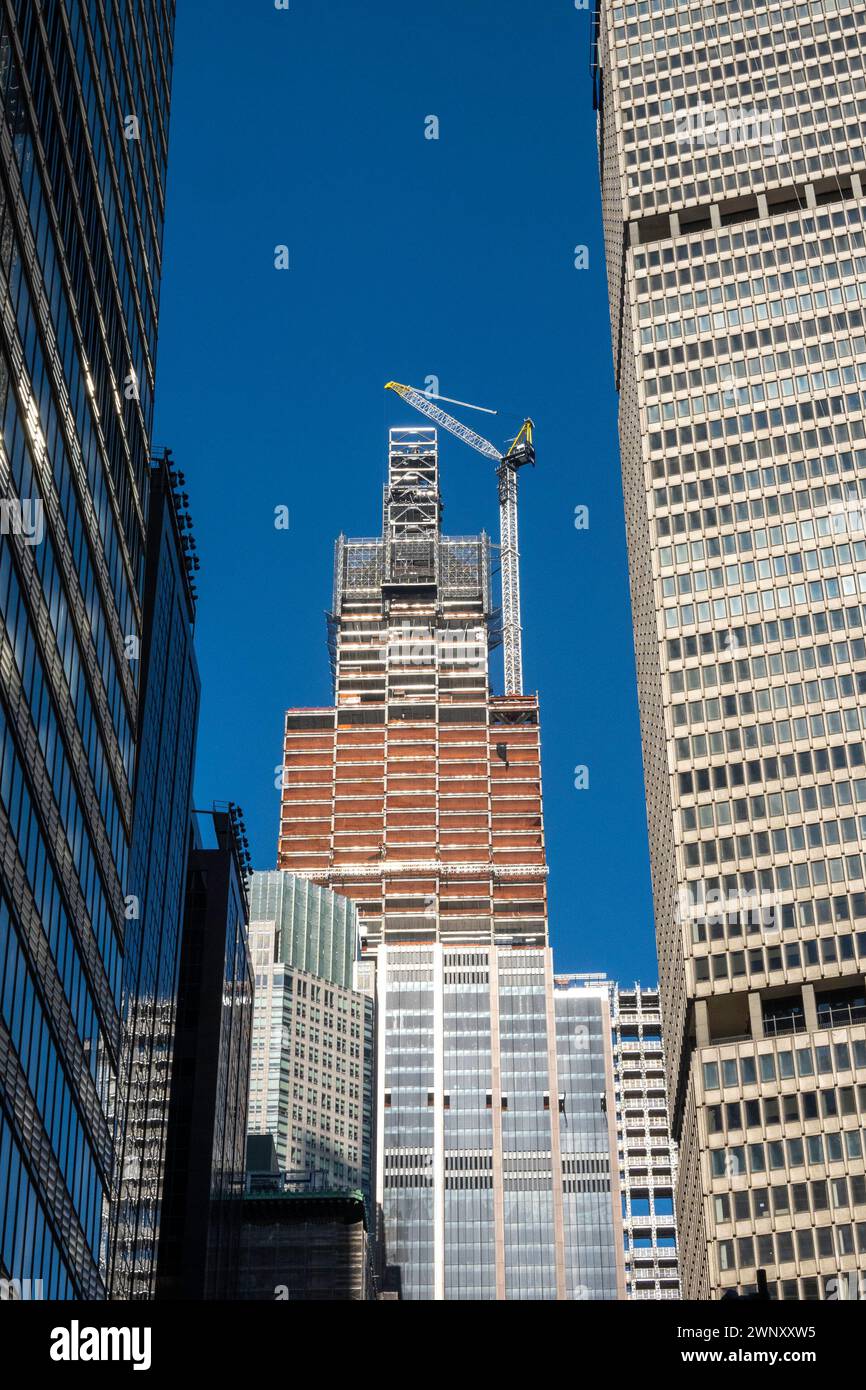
[521, 452]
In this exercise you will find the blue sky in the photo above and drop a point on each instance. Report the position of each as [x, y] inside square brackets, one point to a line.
[409, 258]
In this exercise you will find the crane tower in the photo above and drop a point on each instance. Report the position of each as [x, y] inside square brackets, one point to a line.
[521, 452]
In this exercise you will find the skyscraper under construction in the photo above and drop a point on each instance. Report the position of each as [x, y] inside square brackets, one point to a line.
[418, 795]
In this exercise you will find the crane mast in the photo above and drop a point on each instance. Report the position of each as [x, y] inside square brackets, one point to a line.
[520, 453]
[512, 644]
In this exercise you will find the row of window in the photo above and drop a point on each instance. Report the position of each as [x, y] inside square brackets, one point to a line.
[767, 735]
[671, 182]
[798, 1199]
[769, 482]
[788, 441]
[136, 262]
[792, 563]
[796, 661]
[56, 1097]
[64, 642]
[823, 1058]
[29, 1247]
[792, 956]
[700, 139]
[741, 888]
[66, 341]
[765, 634]
[62, 784]
[69, 947]
[764, 843]
[729, 609]
[694, 408]
[844, 519]
[830, 1102]
[683, 438]
[692, 47]
[779, 341]
[731, 426]
[794, 695]
[684, 292]
[809, 762]
[824, 265]
[795, 802]
[698, 265]
[651, 1203]
[822, 1242]
[53, 440]
[835, 1146]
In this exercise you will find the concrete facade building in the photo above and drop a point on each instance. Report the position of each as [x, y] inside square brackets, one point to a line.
[418, 795]
[733, 208]
[312, 1069]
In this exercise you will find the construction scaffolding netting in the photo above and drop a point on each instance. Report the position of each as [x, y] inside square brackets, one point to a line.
[459, 566]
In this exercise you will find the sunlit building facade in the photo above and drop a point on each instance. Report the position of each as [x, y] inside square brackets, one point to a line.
[312, 1069]
[732, 158]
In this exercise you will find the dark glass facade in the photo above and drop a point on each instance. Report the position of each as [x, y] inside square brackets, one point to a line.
[305, 1247]
[206, 1148]
[84, 96]
[154, 911]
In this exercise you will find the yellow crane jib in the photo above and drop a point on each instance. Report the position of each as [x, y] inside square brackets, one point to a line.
[522, 451]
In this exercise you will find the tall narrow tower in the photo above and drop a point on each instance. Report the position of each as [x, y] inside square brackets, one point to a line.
[418, 795]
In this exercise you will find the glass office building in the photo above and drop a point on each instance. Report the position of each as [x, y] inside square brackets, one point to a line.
[205, 1165]
[588, 1104]
[303, 1247]
[497, 1169]
[732, 153]
[84, 96]
[312, 928]
[151, 955]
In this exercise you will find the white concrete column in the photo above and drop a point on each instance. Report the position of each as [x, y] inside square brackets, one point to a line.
[380, 998]
[438, 1126]
[496, 1093]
